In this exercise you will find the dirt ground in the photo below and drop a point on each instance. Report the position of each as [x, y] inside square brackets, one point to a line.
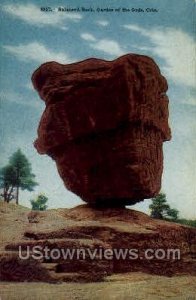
[133, 286]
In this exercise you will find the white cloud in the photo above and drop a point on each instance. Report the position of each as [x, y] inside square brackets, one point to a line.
[32, 14]
[64, 28]
[134, 28]
[189, 100]
[176, 47]
[29, 86]
[108, 46]
[88, 37]
[36, 52]
[13, 97]
[102, 23]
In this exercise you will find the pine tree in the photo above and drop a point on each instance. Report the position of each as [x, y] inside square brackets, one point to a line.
[17, 175]
[159, 206]
[6, 183]
[160, 209]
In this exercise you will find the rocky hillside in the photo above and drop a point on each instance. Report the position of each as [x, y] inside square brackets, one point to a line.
[91, 231]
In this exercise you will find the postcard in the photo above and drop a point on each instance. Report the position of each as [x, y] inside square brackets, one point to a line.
[97, 160]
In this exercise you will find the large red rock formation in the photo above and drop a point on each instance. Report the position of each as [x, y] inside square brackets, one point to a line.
[104, 125]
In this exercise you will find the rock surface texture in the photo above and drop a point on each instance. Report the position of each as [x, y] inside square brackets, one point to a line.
[102, 232]
[104, 124]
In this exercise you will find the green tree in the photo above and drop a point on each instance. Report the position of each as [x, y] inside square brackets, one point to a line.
[187, 222]
[6, 183]
[39, 203]
[17, 175]
[173, 213]
[160, 209]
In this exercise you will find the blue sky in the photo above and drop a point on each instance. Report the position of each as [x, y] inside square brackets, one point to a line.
[30, 37]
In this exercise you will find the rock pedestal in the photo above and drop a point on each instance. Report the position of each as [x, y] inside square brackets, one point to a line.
[109, 240]
[104, 124]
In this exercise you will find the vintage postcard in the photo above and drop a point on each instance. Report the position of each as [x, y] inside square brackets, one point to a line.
[97, 159]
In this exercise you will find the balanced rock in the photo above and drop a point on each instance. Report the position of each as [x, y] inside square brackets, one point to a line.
[104, 124]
